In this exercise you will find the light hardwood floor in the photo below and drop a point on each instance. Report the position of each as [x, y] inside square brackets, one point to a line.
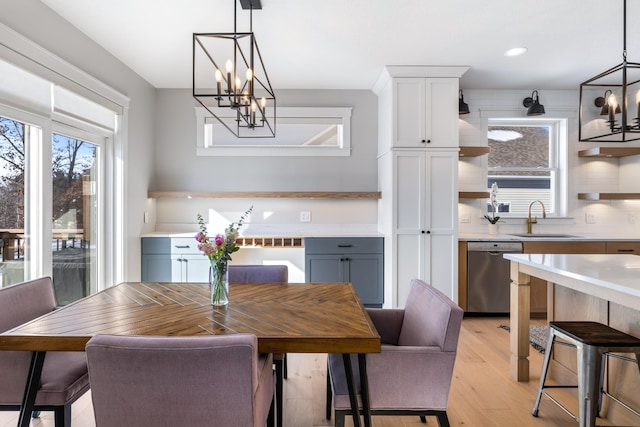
[482, 393]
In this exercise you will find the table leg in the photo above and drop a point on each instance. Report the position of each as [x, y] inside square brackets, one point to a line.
[31, 388]
[364, 389]
[348, 371]
[520, 309]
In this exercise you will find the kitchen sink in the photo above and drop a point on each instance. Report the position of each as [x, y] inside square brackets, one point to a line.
[547, 236]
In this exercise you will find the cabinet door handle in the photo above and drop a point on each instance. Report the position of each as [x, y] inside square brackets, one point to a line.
[426, 232]
[423, 141]
[182, 246]
[345, 246]
[626, 250]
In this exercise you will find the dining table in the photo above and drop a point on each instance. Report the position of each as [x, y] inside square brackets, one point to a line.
[285, 317]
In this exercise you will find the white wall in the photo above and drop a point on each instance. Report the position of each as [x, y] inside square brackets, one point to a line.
[585, 175]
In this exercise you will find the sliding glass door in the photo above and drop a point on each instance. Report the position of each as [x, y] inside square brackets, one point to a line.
[52, 223]
[76, 221]
[13, 134]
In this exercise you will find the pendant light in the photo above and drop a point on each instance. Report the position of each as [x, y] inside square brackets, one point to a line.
[230, 81]
[620, 103]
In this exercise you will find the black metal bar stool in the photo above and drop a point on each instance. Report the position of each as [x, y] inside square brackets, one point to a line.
[593, 341]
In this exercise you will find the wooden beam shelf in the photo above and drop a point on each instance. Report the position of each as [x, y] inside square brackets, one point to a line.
[608, 196]
[609, 152]
[473, 195]
[375, 195]
[473, 151]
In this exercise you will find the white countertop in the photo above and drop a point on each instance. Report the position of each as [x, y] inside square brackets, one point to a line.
[613, 277]
[574, 237]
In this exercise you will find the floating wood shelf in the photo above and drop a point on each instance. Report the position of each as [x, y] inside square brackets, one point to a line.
[608, 196]
[471, 151]
[473, 195]
[609, 152]
[266, 194]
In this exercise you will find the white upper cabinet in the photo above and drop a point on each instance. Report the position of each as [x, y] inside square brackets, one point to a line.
[425, 112]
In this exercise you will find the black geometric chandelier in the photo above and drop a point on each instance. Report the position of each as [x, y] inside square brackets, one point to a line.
[230, 81]
[621, 88]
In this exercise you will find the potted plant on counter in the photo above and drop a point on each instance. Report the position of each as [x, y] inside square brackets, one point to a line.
[493, 219]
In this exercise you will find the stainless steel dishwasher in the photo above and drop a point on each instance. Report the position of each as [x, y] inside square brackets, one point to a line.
[488, 276]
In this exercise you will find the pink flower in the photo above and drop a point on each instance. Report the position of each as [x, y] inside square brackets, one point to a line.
[200, 237]
[219, 239]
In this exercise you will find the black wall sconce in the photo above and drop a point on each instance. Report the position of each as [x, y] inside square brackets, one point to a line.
[533, 105]
[463, 107]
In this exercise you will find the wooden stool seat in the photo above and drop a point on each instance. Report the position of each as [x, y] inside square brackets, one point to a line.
[593, 342]
[596, 334]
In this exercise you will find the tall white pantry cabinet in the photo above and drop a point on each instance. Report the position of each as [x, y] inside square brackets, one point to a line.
[418, 177]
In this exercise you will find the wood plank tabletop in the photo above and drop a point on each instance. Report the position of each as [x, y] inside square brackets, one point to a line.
[286, 317]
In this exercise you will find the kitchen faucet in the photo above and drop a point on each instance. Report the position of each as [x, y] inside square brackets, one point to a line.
[531, 221]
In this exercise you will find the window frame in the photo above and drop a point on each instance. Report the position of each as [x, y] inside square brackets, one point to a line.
[340, 115]
[558, 162]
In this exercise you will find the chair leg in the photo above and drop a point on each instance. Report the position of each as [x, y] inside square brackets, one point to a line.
[62, 416]
[279, 393]
[443, 420]
[423, 419]
[339, 421]
[286, 368]
[329, 396]
[589, 365]
[271, 416]
[543, 374]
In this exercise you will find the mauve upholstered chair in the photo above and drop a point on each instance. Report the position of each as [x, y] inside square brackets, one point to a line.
[412, 375]
[266, 274]
[218, 381]
[64, 374]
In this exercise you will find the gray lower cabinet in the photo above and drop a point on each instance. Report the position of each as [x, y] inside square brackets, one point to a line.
[173, 259]
[358, 260]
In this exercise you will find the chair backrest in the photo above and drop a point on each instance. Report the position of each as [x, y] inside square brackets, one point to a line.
[173, 381]
[258, 273]
[430, 318]
[19, 304]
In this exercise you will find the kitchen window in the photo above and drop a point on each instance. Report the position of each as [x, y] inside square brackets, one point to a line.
[528, 162]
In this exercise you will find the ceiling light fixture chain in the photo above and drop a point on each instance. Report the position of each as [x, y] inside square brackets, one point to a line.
[620, 83]
[245, 106]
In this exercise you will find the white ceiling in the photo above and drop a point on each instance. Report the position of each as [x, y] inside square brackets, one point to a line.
[344, 44]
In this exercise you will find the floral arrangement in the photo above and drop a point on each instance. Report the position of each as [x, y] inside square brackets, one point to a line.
[493, 197]
[219, 249]
[221, 246]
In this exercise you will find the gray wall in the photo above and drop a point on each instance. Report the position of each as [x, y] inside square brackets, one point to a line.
[37, 22]
[178, 168]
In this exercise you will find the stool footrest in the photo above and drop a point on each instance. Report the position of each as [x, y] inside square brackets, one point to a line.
[554, 400]
[621, 403]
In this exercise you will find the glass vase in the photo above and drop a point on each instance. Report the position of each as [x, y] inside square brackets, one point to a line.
[219, 281]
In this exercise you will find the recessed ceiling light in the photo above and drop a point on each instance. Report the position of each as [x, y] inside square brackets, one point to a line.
[516, 51]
